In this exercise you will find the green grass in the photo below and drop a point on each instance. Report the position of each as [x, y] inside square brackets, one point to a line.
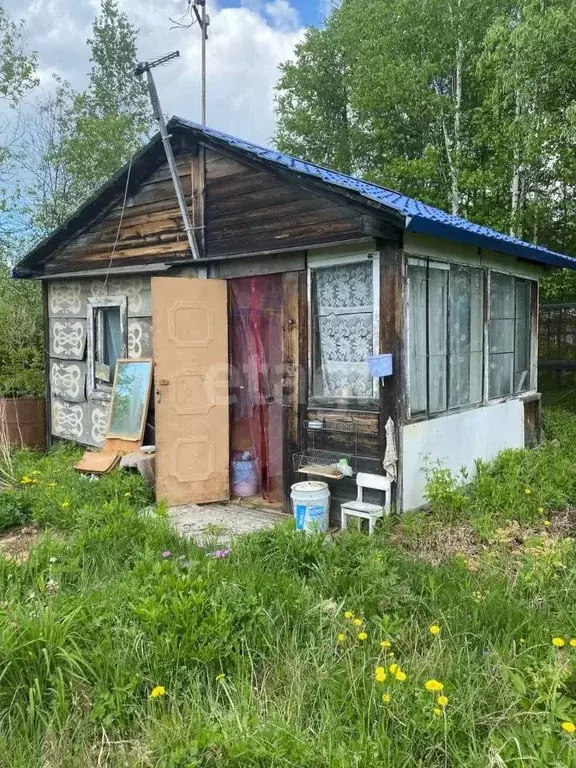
[247, 647]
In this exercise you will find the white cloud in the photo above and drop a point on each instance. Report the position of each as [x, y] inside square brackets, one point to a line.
[282, 14]
[245, 46]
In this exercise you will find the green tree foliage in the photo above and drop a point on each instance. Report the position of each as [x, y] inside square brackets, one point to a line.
[469, 106]
[110, 119]
[21, 337]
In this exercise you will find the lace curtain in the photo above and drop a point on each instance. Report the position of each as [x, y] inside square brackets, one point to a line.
[343, 330]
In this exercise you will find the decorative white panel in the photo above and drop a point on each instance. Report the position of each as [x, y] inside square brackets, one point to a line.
[65, 299]
[68, 380]
[67, 338]
[67, 420]
[139, 337]
[99, 421]
[136, 290]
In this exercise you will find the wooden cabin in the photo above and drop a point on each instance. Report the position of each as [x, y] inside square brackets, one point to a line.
[260, 346]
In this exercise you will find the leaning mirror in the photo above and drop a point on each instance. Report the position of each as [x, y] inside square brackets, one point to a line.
[130, 397]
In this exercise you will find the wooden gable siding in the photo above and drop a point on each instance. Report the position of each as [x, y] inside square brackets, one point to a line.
[248, 210]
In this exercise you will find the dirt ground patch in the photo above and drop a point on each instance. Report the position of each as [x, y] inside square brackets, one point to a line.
[17, 543]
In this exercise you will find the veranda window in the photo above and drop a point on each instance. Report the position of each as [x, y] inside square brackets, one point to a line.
[509, 335]
[107, 342]
[343, 329]
[445, 336]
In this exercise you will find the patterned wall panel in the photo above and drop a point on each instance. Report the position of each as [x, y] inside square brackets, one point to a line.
[69, 298]
[139, 337]
[81, 422]
[74, 417]
[68, 380]
[67, 338]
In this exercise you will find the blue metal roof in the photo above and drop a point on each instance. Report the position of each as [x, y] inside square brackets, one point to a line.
[418, 216]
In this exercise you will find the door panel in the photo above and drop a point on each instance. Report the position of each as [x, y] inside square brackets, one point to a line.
[190, 330]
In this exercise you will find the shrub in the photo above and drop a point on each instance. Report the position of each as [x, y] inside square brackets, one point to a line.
[15, 509]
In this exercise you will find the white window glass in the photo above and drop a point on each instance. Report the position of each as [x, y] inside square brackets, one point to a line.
[417, 344]
[466, 335]
[437, 336]
[107, 342]
[509, 335]
[343, 330]
[109, 331]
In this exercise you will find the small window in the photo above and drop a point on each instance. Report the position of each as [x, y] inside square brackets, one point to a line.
[509, 335]
[343, 331]
[445, 336]
[107, 341]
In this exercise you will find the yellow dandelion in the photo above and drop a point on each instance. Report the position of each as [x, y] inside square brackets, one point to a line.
[527, 491]
[437, 711]
[380, 674]
[558, 642]
[434, 629]
[127, 493]
[442, 701]
[357, 622]
[433, 685]
[568, 726]
[220, 677]
[386, 698]
[362, 636]
[385, 644]
[158, 691]
[65, 504]
[547, 523]
[540, 510]
[400, 676]
[25, 480]
[348, 615]
[393, 668]
[341, 637]
[573, 642]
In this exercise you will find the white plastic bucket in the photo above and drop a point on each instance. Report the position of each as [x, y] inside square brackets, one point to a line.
[311, 505]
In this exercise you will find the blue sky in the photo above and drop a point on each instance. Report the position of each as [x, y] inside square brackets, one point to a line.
[310, 12]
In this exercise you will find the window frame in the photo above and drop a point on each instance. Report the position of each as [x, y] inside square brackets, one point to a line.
[95, 342]
[419, 260]
[532, 338]
[347, 403]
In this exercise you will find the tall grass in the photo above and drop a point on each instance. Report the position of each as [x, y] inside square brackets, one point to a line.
[257, 662]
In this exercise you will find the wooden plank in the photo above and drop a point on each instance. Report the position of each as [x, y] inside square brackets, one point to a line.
[221, 167]
[393, 396]
[75, 256]
[198, 213]
[277, 213]
[255, 200]
[291, 363]
[48, 393]
[232, 186]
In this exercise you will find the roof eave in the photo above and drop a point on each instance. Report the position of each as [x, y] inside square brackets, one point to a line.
[424, 226]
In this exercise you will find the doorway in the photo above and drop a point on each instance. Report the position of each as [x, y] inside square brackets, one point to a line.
[256, 433]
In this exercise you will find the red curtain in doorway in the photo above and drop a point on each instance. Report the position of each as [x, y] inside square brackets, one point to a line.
[256, 381]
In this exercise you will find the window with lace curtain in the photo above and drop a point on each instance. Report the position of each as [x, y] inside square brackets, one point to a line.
[343, 330]
[107, 342]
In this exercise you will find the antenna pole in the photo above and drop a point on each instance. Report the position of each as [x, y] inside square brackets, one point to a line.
[146, 67]
[204, 39]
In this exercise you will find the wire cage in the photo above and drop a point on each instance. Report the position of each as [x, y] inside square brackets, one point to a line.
[316, 460]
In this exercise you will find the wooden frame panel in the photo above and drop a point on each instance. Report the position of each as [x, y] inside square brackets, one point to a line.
[95, 342]
[138, 439]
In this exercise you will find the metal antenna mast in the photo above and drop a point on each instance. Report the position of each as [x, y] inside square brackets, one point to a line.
[146, 67]
[203, 20]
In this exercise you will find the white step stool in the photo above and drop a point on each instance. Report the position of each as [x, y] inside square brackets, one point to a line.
[363, 509]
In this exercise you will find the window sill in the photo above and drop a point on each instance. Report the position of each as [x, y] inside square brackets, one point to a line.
[344, 404]
[525, 397]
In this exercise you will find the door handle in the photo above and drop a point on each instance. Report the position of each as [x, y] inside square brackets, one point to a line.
[164, 383]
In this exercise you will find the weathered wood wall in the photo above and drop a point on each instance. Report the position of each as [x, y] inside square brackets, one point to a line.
[247, 210]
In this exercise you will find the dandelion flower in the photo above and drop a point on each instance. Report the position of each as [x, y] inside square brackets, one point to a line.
[547, 523]
[158, 691]
[437, 711]
[385, 644]
[434, 629]
[26, 480]
[348, 615]
[220, 677]
[400, 676]
[442, 701]
[65, 504]
[568, 726]
[386, 698]
[380, 674]
[573, 642]
[341, 637]
[362, 636]
[393, 668]
[433, 685]
[540, 510]
[558, 642]
[527, 491]
[357, 622]
[127, 493]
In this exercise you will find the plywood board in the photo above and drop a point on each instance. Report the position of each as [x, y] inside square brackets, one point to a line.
[97, 463]
[190, 336]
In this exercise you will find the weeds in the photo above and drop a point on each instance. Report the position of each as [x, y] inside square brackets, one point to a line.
[122, 645]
